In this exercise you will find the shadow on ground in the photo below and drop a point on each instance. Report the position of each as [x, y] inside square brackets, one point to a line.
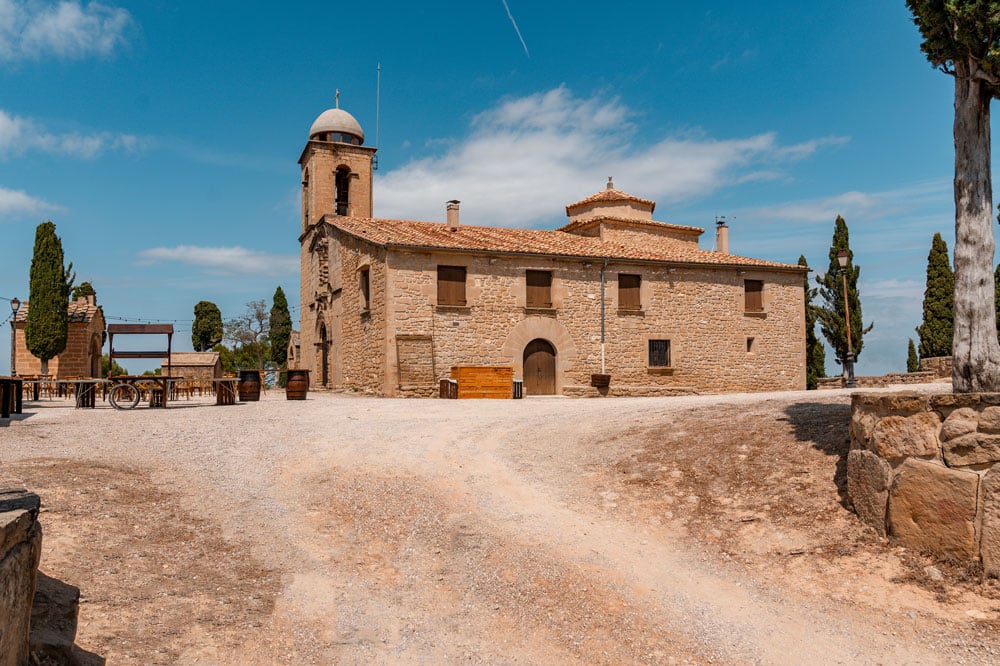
[53, 626]
[826, 426]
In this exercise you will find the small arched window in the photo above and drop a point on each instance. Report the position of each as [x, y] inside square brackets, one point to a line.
[342, 185]
[305, 197]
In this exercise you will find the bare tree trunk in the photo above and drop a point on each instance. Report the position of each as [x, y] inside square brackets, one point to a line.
[975, 348]
[45, 366]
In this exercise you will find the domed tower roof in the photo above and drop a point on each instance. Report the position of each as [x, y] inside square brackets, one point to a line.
[337, 125]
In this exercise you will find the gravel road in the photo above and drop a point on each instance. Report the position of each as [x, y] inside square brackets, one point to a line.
[424, 532]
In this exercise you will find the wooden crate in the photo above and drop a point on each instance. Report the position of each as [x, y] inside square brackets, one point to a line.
[479, 381]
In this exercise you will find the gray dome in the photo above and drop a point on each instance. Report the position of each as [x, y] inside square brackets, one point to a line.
[337, 121]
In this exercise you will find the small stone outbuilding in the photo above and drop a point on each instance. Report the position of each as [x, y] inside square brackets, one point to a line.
[82, 356]
[194, 365]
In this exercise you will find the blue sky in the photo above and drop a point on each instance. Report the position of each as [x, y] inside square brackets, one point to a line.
[162, 137]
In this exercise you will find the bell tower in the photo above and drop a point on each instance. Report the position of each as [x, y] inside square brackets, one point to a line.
[336, 168]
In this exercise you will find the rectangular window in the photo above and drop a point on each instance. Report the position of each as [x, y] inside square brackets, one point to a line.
[628, 292]
[659, 353]
[538, 289]
[451, 285]
[364, 285]
[753, 295]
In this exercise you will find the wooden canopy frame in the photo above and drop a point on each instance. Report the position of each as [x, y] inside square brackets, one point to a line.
[138, 329]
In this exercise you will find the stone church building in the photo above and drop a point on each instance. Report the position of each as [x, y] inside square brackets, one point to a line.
[389, 306]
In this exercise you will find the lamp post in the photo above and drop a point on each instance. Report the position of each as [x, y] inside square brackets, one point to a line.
[842, 258]
[15, 305]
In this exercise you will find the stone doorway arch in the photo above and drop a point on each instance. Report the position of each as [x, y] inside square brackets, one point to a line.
[539, 368]
[552, 332]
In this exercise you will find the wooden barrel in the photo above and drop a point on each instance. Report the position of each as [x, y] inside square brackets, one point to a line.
[249, 385]
[297, 384]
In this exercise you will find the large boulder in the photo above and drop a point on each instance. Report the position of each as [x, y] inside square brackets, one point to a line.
[868, 479]
[973, 449]
[933, 508]
[20, 551]
[897, 438]
[990, 544]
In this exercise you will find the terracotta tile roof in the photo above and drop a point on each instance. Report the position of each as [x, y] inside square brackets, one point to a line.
[78, 312]
[408, 234]
[610, 194]
[630, 222]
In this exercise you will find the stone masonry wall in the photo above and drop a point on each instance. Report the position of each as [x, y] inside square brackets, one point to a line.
[76, 359]
[20, 551]
[715, 346]
[878, 381]
[925, 471]
[359, 346]
[939, 365]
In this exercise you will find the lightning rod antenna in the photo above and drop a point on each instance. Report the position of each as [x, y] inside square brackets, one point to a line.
[378, 103]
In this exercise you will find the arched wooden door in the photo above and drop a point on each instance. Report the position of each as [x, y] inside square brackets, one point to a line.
[539, 368]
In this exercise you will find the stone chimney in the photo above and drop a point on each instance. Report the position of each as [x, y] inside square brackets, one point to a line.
[721, 236]
[453, 215]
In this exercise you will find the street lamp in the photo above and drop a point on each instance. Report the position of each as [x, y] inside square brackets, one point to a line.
[842, 258]
[15, 305]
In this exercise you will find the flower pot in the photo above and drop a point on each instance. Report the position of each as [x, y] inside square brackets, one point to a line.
[600, 381]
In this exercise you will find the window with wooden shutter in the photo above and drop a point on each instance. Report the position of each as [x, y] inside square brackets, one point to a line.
[628, 292]
[538, 289]
[753, 293]
[451, 285]
[659, 353]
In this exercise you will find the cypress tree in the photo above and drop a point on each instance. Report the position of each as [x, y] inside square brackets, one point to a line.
[815, 352]
[912, 361]
[47, 326]
[280, 328]
[206, 331]
[831, 289]
[939, 297]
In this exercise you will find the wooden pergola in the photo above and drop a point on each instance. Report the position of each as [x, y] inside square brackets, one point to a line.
[138, 329]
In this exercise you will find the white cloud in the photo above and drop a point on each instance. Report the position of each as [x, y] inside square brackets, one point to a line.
[224, 260]
[18, 204]
[851, 205]
[893, 288]
[20, 135]
[69, 29]
[528, 156]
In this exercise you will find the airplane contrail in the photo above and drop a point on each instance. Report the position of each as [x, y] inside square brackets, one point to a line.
[516, 29]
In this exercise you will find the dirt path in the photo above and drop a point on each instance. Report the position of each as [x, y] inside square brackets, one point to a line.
[352, 530]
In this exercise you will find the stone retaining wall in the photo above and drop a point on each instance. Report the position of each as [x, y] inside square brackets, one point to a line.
[880, 381]
[20, 551]
[939, 365]
[925, 471]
